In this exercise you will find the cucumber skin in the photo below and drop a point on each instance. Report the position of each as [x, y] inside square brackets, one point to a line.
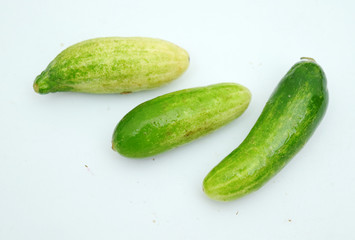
[113, 65]
[287, 121]
[179, 117]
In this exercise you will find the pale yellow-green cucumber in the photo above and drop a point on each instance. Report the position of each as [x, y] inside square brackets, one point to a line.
[113, 65]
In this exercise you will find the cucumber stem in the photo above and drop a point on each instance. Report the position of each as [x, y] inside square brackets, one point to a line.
[36, 87]
[41, 85]
[308, 58]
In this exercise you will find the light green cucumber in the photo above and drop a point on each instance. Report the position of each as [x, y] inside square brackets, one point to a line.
[113, 65]
[179, 117]
[288, 120]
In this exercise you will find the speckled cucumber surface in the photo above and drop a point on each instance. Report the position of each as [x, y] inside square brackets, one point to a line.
[179, 117]
[287, 121]
[113, 65]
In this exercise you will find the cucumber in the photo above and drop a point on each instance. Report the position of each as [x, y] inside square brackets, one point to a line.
[288, 120]
[176, 118]
[113, 65]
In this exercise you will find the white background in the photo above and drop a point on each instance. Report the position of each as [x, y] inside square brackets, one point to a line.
[46, 192]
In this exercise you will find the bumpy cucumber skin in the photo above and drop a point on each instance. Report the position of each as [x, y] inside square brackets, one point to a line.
[113, 65]
[288, 120]
[179, 117]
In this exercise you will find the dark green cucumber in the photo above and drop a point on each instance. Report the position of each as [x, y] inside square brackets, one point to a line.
[179, 117]
[113, 65]
[288, 120]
